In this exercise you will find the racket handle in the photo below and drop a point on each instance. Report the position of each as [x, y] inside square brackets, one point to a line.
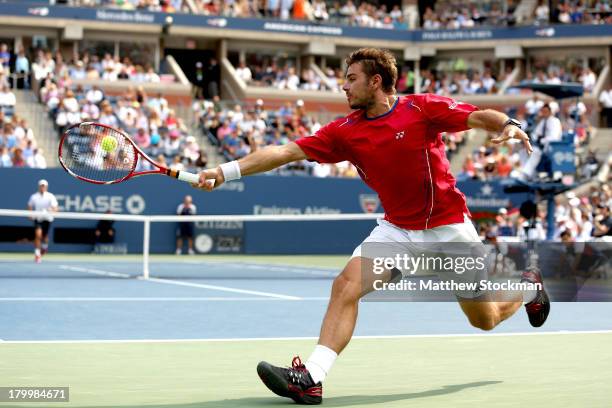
[191, 178]
[188, 177]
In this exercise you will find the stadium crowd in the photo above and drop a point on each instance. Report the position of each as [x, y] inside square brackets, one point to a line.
[362, 14]
[573, 12]
[286, 77]
[444, 14]
[554, 75]
[545, 122]
[453, 14]
[578, 218]
[461, 81]
[18, 145]
[153, 125]
[238, 130]
[163, 6]
[93, 67]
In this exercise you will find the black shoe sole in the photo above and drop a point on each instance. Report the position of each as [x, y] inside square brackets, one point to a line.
[278, 385]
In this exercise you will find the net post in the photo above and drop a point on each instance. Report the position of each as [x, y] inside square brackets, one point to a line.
[145, 248]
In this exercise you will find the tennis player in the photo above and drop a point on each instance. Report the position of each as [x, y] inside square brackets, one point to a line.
[46, 202]
[395, 144]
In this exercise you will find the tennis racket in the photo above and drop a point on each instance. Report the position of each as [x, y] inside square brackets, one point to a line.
[100, 154]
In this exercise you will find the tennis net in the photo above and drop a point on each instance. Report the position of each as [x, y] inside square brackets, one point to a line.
[285, 246]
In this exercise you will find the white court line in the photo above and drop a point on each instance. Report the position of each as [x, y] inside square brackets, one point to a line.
[94, 271]
[180, 283]
[315, 270]
[151, 299]
[222, 288]
[399, 336]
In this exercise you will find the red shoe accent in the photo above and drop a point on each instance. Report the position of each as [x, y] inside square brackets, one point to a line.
[533, 307]
[312, 391]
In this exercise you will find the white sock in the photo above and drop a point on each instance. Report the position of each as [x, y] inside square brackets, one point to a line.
[529, 295]
[320, 362]
[45, 246]
[37, 252]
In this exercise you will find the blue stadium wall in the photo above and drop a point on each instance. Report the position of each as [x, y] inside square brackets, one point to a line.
[253, 195]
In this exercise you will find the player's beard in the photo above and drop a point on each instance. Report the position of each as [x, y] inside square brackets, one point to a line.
[362, 102]
[359, 103]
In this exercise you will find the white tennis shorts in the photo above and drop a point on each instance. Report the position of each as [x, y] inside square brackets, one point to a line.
[388, 240]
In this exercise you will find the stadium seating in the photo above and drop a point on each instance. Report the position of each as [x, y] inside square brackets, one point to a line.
[149, 120]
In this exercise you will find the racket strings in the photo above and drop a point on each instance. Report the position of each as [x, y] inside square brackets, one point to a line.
[85, 154]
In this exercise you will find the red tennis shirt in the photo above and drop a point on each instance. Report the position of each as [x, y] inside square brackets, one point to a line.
[400, 155]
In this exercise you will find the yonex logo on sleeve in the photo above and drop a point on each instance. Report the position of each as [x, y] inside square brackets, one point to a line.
[453, 105]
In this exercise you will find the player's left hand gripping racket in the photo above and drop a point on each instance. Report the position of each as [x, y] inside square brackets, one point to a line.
[100, 154]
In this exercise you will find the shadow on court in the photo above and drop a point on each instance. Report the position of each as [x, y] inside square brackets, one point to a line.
[346, 401]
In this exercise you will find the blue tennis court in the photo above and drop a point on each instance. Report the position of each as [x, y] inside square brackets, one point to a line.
[228, 297]
[192, 334]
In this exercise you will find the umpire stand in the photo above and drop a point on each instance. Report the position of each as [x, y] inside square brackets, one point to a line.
[540, 191]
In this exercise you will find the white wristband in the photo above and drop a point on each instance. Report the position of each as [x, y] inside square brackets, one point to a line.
[231, 170]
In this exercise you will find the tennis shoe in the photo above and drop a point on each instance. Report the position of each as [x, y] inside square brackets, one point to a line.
[539, 307]
[292, 382]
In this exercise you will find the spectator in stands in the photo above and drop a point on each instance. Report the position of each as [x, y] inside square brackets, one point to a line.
[5, 157]
[532, 108]
[505, 226]
[202, 161]
[94, 95]
[243, 72]
[89, 111]
[191, 150]
[213, 77]
[142, 138]
[22, 68]
[289, 80]
[7, 98]
[605, 100]
[78, 71]
[108, 117]
[603, 222]
[547, 130]
[37, 160]
[5, 59]
[588, 79]
[542, 12]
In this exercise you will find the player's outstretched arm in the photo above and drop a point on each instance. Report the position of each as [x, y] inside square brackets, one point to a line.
[494, 121]
[265, 159]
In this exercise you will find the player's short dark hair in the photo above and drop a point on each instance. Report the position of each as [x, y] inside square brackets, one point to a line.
[376, 61]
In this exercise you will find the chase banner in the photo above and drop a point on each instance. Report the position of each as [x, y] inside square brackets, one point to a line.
[259, 195]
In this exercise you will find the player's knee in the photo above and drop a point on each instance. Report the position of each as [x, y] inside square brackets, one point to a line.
[483, 322]
[345, 288]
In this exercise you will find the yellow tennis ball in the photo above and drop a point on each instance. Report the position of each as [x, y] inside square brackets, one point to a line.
[109, 144]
